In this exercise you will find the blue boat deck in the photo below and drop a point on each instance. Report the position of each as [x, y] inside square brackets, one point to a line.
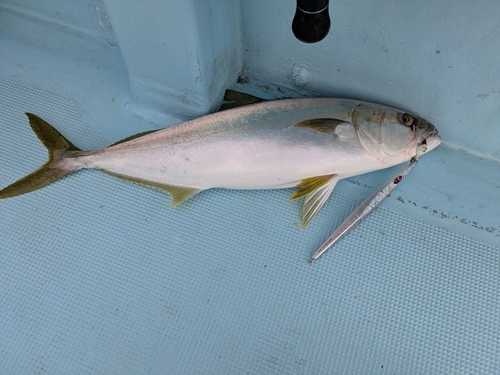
[97, 276]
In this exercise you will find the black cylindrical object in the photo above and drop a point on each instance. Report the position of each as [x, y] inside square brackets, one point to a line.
[312, 21]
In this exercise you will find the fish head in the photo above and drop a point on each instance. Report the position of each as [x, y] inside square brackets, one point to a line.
[393, 136]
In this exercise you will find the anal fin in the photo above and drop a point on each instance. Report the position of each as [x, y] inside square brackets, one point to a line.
[316, 191]
[179, 194]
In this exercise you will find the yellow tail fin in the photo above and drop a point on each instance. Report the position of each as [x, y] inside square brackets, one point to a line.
[58, 148]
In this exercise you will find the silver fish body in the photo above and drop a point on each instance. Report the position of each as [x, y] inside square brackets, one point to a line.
[309, 143]
[256, 147]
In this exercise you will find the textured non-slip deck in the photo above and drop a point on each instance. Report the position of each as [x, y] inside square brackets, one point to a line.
[97, 276]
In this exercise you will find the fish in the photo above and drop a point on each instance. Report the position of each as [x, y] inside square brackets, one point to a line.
[304, 143]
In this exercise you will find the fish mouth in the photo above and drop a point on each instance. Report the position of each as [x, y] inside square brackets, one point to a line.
[429, 141]
[429, 136]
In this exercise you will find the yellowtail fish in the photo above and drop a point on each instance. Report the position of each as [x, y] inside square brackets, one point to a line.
[306, 143]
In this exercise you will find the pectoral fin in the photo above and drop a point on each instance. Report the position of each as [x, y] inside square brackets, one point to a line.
[316, 191]
[322, 125]
[179, 193]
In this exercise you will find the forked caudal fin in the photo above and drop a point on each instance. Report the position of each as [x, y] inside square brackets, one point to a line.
[53, 170]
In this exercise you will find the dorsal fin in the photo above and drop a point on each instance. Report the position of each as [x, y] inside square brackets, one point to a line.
[235, 99]
[129, 138]
[232, 98]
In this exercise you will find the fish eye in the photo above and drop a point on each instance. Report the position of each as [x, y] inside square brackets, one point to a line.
[408, 120]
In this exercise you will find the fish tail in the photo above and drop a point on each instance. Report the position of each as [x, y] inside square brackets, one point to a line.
[59, 149]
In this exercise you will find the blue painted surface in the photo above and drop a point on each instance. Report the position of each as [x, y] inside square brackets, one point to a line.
[185, 58]
[97, 276]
